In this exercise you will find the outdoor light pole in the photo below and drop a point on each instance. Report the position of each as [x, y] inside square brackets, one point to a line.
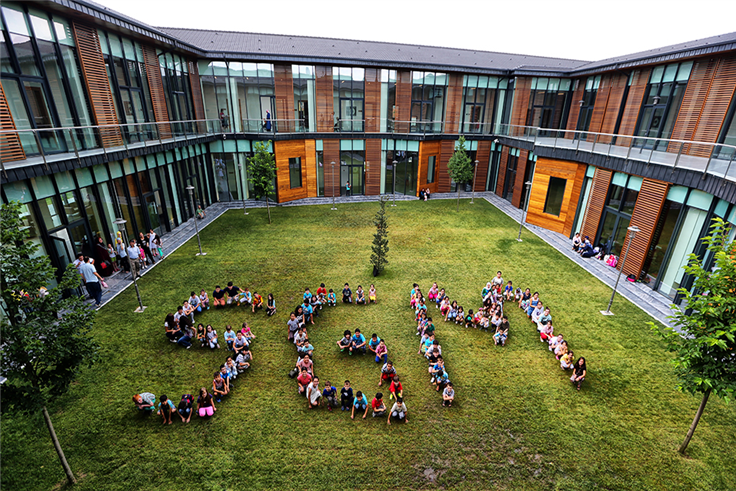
[394, 190]
[190, 188]
[242, 175]
[632, 233]
[121, 226]
[475, 176]
[333, 186]
[528, 184]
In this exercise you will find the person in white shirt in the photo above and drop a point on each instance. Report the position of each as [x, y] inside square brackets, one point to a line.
[134, 256]
[91, 281]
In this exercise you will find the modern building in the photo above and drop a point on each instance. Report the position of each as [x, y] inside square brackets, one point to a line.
[104, 117]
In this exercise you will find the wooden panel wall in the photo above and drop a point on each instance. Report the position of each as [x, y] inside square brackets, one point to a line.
[454, 103]
[428, 149]
[599, 109]
[372, 102]
[572, 120]
[716, 105]
[156, 84]
[403, 101]
[646, 214]
[283, 151]
[10, 147]
[284, 97]
[483, 155]
[613, 107]
[98, 86]
[373, 172]
[574, 173]
[519, 181]
[503, 164]
[447, 148]
[692, 101]
[310, 152]
[197, 95]
[522, 92]
[325, 105]
[331, 153]
[640, 79]
[596, 202]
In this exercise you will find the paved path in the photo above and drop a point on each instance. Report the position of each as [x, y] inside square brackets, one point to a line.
[639, 294]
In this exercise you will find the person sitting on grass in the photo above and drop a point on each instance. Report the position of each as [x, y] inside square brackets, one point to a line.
[315, 304]
[345, 341]
[303, 381]
[381, 352]
[441, 379]
[440, 297]
[396, 389]
[537, 313]
[185, 408]
[172, 329]
[346, 396]
[435, 369]
[204, 300]
[379, 408]
[242, 361]
[532, 304]
[555, 342]
[292, 327]
[232, 369]
[448, 395]
[225, 375]
[329, 395]
[347, 294]
[567, 361]
[205, 404]
[578, 372]
[229, 337]
[451, 312]
[307, 294]
[301, 336]
[331, 298]
[445, 307]
[524, 300]
[373, 343]
[357, 343]
[194, 302]
[240, 344]
[433, 291]
[433, 352]
[359, 296]
[544, 319]
[460, 316]
[361, 404]
[398, 410]
[502, 332]
[428, 342]
[388, 372]
[201, 335]
[218, 296]
[308, 311]
[247, 333]
[166, 409]
[508, 292]
[270, 305]
[212, 337]
[145, 401]
[305, 348]
[372, 294]
[219, 387]
[561, 350]
[245, 297]
[257, 302]
[313, 393]
[469, 317]
[187, 331]
[232, 292]
[321, 294]
[188, 310]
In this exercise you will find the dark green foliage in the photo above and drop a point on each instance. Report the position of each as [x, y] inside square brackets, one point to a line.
[460, 167]
[262, 172]
[380, 240]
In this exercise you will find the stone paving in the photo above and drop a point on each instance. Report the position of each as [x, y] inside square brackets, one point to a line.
[654, 304]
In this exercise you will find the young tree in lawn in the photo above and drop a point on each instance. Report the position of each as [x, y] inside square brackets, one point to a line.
[262, 172]
[460, 167]
[380, 242]
[704, 338]
[45, 337]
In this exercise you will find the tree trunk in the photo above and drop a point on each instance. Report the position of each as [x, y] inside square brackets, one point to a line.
[695, 422]
[458, 197]
[268, 208]
[59, 451]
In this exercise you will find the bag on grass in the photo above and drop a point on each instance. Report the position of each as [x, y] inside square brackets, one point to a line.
[293, 373]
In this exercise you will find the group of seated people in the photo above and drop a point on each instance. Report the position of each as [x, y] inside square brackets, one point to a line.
[584, 247]
[308, 383]
[429, 345]
[541, 316]
[234, 295]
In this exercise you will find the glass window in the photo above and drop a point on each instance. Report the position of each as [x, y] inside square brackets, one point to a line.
[431, 164]
[25, 55]
[295, 172]
[687, 239]
[555, 196]
[661, 241]
[71, 207]
[15, 21]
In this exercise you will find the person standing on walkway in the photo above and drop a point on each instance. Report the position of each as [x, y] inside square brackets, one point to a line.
[91, 281]
[122, 255]
[134, 257]
[347, 188]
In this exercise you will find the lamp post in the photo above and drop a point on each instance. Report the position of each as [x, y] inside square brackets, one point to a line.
[475, 176]
[242, 176]
[393, 173]
[333, 186]
[190, 188]
[121, 226]
[632, 233]
[527, 184]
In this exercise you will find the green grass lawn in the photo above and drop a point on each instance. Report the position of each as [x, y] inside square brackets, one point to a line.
[517, 424]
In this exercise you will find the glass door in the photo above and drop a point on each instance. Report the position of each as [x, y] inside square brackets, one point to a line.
[153, 205]
[62, 250]
[356, 180]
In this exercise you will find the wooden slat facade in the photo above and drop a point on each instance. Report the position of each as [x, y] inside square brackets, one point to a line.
[331, 153]
[483, 155]
[403, 101]
[197, 95]
[98, 86]
[613, 106]
[158, 96]
[599, 108]
[519, 182]
[545, 169]
[283, 97]
[522, 92]
[372, 101]
[10, 146]
[646, 214]
[716, 106]
[303, 149]
[572, 119]
[453, 113]
[692, 102]
[447, 148]
[428, 149]
[325, 105]
[639, 81]
[502, 170]
[596, 202]
[373, 171]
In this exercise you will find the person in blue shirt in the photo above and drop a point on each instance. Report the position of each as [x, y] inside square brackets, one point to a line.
[91, 281]
[347, 294]
[308, 312]
[361, 403]
[307, 294]
[358, 342]
[373, 343]
[331, 298]
[329, 394]
[229, 337]
[166, 408]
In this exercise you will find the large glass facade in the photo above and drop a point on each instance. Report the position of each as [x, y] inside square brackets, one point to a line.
[428, 101]
[549, 103]
[388, 100]
[622, 195]
[587, 103]
[401, 159]
[352, 167]
[349, 98]
[304, 99]
[483, 98]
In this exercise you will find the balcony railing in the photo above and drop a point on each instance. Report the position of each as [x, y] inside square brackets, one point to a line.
[715, 159]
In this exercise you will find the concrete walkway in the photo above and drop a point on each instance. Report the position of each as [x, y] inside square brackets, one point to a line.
[654, 304]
